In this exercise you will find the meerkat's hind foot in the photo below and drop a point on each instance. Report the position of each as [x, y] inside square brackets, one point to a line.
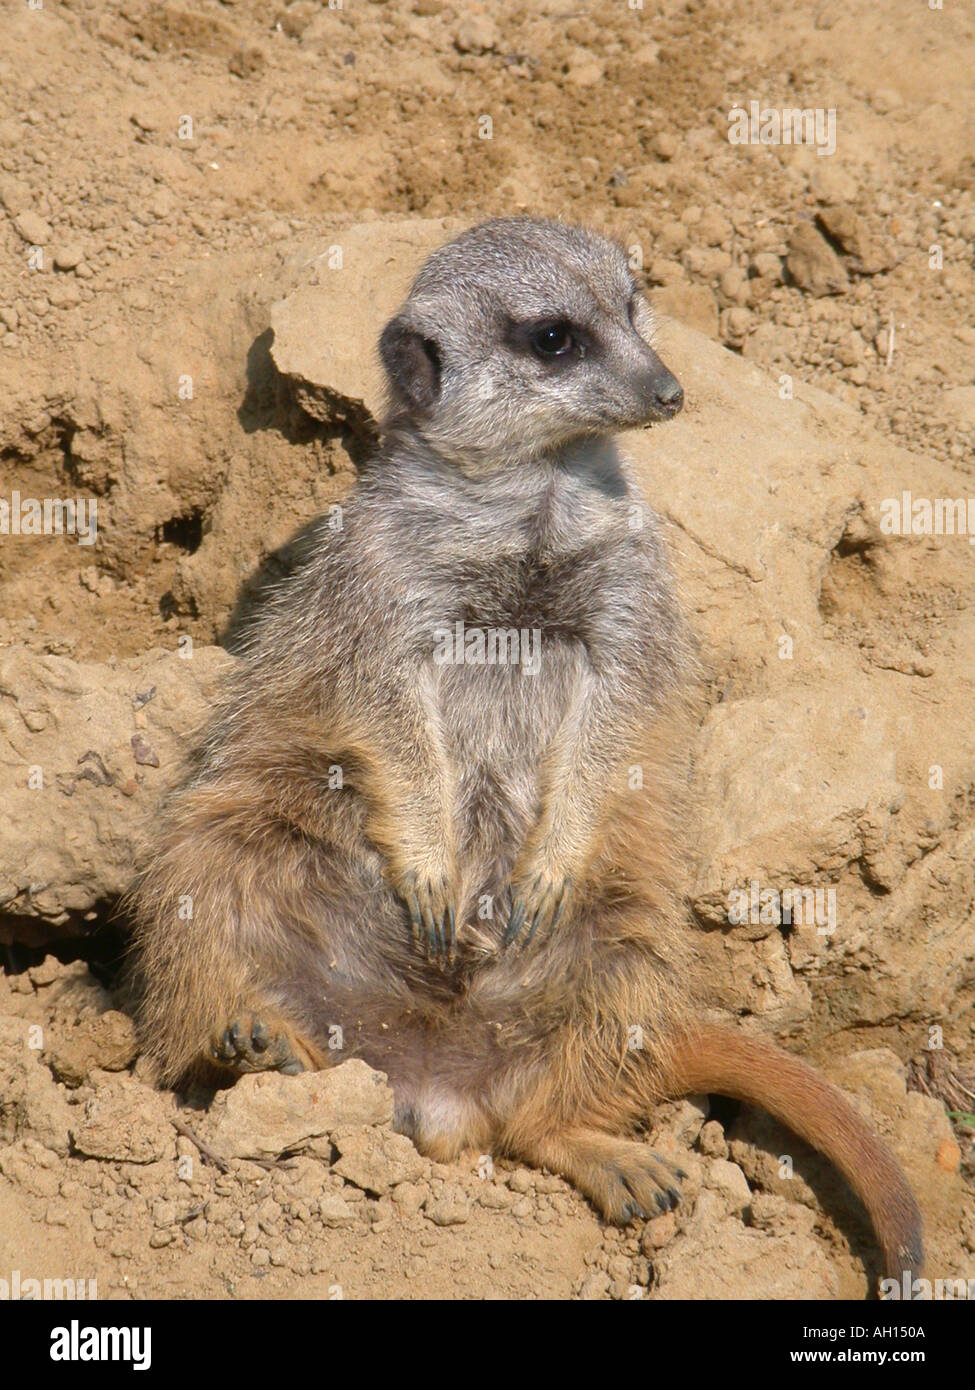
[624, 1179]
[260, 1041]
[635, 1183]
[652, 1184]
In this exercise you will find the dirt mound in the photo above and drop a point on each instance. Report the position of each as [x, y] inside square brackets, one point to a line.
[206, 210]
[290, 1186]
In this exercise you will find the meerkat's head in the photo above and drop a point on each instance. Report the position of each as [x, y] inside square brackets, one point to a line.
[520, 336]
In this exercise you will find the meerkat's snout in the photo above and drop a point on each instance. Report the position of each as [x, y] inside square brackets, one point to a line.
[630, 385]
[659, 390]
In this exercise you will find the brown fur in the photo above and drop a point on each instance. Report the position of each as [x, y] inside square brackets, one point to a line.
[280, 906]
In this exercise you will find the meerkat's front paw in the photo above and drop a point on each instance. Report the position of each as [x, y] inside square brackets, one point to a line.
[537, 904]
[433, 918]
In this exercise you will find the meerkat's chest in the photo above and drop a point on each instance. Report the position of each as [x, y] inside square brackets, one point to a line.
[501, 698]
[511, 622]
[554, 593]
[506, 663]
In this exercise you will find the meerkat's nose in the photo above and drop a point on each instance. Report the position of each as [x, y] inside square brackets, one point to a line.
[666, 394]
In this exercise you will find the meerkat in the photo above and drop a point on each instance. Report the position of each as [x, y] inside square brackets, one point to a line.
[441, 811]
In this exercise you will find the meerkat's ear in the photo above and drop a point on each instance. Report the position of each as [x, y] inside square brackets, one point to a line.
[412, 361]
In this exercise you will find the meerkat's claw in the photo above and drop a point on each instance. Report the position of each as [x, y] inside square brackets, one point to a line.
[541, 906]
[432, 921]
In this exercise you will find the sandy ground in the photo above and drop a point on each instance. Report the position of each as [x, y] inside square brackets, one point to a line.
[151, 156]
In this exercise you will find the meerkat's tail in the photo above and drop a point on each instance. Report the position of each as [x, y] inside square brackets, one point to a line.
[729, 1063]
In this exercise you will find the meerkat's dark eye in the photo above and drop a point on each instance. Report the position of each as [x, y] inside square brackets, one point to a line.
[553, 340]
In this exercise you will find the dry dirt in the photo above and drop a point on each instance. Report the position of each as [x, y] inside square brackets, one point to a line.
[168, 173]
